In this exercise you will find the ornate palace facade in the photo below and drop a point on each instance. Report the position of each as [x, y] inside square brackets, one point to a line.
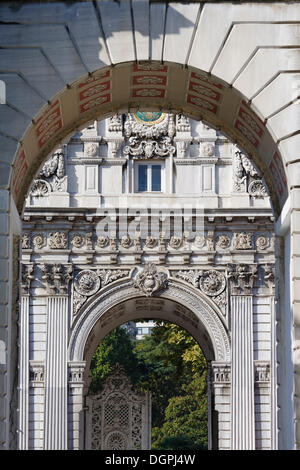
[148, 215]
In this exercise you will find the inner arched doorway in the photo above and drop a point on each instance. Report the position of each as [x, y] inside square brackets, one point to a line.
[193, 312]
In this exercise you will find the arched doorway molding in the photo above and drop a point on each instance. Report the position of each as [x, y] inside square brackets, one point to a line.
[170, 87]
[179, 303]
[121, 303]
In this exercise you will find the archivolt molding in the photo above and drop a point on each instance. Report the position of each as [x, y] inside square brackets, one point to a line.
[193, 309]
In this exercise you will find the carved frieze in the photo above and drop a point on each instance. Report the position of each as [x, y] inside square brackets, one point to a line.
[126, 241]
[262, 242]
[102, 241]
[223, 241]
[175, 242]
[110, 275]
[77, 240]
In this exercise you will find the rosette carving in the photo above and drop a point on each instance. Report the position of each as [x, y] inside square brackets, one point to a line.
[212, 283]
[87, 282]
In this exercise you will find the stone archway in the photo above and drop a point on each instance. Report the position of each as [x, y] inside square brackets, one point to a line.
[176, 303]
[241, 22]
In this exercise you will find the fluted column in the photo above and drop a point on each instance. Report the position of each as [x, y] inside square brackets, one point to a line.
[56, 374]
[242, 393]
[27, 277]
[242, 366]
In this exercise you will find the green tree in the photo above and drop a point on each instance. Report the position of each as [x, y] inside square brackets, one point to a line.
[175, 374]
[170, 365]
[116, 347]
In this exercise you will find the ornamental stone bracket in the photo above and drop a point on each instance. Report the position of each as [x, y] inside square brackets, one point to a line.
[76, 376]
[220, 373]
[262, 373]
[36, 374]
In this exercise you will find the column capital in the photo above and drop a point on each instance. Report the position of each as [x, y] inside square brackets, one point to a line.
[241, 279]
[56, 278]
[26, 277]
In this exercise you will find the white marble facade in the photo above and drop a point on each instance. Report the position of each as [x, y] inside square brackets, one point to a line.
[187, 237]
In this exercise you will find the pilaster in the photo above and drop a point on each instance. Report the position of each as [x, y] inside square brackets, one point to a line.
[27, 277]
[242, 385]
[56, 378]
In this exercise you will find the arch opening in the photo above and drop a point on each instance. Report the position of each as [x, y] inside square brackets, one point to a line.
[169, 88]
[166, 363]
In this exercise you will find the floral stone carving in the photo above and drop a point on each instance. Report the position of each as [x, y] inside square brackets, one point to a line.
[150, 280]
[212, 283]
[87, 282]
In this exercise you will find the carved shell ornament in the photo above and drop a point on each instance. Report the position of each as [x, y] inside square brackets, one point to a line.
[40, 188]
[87, 282]
[212, 282]
[150, 280]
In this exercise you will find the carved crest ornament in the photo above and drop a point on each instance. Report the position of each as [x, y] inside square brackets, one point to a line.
[150, 280]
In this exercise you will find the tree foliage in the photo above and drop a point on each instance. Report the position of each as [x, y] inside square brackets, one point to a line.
[116, 347]
[170, 365]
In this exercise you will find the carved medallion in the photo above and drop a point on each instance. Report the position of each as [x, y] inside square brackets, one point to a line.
[200, 241]
[175, 242]
[102, 241]
[77, 240]
[150, 280]
[150, 242]
[90, 149]
[87, 283]
[212, 283]
[126, 241]
[223, 241]
[262, 242]
[39, 241]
